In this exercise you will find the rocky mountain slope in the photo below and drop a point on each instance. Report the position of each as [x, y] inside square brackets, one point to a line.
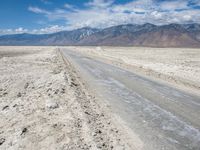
[172, 35]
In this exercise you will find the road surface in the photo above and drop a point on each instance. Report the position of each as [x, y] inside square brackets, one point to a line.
[163, 117]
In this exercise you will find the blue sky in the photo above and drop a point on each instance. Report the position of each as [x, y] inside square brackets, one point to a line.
[47, 16]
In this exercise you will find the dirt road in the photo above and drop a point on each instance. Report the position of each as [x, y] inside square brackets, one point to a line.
[178, 66]
[162, 116]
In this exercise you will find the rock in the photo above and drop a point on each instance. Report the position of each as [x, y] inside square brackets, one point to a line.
[66, 77]
[5, 107]
[55, 125]
[56, 91]
[5, 93]
[87, 113]
[19, 94]
[99, 131]
[49, 89]
[2, 140]
[26, 85]
[56, 71]
[73, 84]
[63, 90]
[104, 144]
[15, 105]
[24, 130]
[52, 104]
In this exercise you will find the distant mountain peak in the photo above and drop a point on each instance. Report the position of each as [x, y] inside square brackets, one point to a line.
[171, 35]
[149, 24]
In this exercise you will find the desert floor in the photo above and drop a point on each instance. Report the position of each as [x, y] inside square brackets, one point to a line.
[45, 105]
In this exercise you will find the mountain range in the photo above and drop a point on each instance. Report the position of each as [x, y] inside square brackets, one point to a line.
[172, 35]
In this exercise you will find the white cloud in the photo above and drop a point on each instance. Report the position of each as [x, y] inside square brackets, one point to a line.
[20, 30]
[46, 30]
[13, 31]
[38, 10]
[100, 3]
[174, 5]
[50, 29]
[46, 2]
[68, 6]
[105, 13]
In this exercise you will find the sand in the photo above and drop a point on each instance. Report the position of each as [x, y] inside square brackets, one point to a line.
[45, 105]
